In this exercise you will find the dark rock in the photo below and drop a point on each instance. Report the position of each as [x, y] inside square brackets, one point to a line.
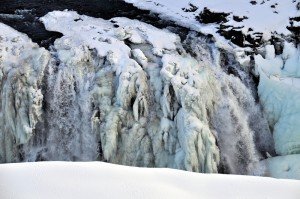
[296, 33]
[236, 36]
[278, 44]
[77, 19]
[191, 8]
[238, 18]
[207, 16]
[295, 30]
[295, 19]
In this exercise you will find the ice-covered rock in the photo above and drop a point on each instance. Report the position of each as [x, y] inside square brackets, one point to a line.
[279, 91]
[22, 65]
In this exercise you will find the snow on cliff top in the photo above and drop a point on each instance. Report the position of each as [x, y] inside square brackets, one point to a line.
[265, 16]
[102, 180]
[108, 36]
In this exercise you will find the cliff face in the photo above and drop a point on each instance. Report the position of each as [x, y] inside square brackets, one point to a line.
[22, 65]
[125, 92]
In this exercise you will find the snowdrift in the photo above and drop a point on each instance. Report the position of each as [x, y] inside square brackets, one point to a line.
[66, 180]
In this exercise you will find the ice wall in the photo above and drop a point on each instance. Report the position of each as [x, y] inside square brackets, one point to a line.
[22, 65]
[279, 91]
[125, 92]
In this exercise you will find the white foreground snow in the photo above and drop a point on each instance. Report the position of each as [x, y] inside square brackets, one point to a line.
[62, 180]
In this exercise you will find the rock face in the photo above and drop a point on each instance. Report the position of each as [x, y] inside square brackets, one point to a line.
[207, 16]
[125, 92]
[236, 34]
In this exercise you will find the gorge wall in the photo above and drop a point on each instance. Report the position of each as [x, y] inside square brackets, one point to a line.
[126, 92]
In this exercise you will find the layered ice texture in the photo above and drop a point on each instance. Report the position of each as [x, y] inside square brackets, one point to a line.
[279, 91]
[125, 92]
[22, 66]
[278, 71]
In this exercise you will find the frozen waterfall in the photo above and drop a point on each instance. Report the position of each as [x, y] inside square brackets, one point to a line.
[126, 92]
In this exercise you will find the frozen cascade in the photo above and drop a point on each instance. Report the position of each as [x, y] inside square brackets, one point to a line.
[22, 66]
[68, 107]
[279, 90]
[125, 92]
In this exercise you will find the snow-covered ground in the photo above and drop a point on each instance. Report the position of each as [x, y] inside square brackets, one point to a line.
[265, 16]
[62, 180]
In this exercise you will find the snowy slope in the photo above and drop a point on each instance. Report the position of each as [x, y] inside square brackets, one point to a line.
[61, 180]
[264, 16]
[286, 167]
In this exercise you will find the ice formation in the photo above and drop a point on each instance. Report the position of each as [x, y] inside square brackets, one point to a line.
[125, 92]
[287, 167]
[279, 91]
[22, 65]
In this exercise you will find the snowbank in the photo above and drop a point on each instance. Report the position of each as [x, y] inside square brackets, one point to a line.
[62, 180]
[286, 167]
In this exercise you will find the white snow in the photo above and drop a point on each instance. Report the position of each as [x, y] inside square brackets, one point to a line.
[261, 17]
[287, 167]
[66, 180]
